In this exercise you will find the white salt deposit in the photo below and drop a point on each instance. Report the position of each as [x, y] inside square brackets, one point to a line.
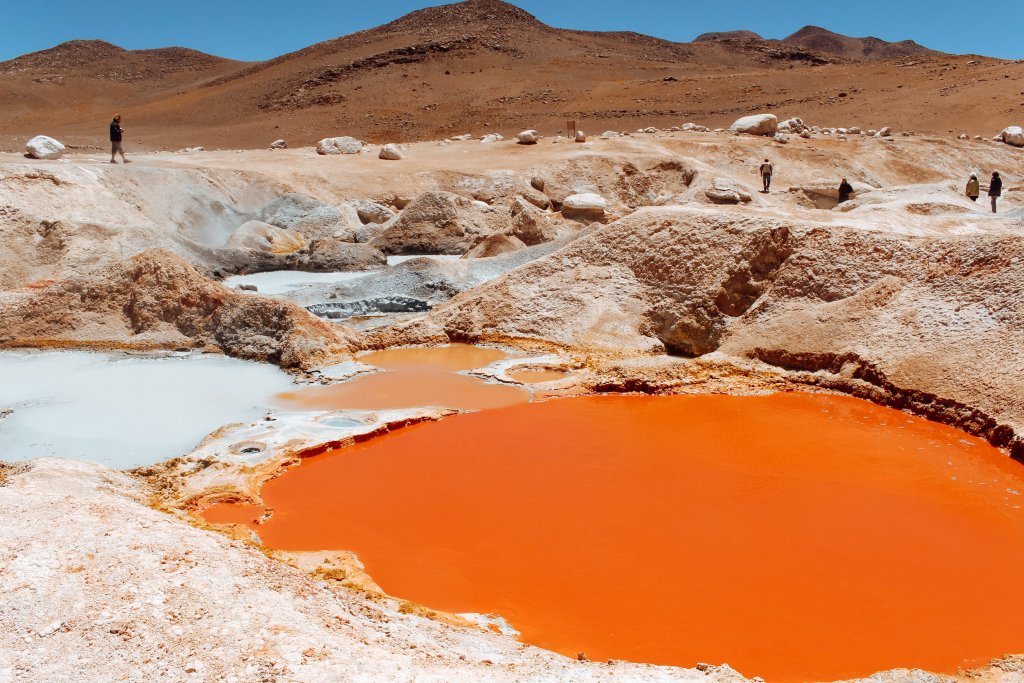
[281, 281]
[125, 411]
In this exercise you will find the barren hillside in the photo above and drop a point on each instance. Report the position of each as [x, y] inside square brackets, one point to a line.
[487, 66]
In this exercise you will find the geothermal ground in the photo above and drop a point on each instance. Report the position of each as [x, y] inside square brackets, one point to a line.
[645, 263]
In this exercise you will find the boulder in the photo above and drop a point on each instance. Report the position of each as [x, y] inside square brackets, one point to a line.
[884, 132]
[492, 138]
[312, 218]
[341, 145]
[529, 224]
[610, 134]
[584, 206]
[805, 134]
[1013, 135]
[528, 137]
[44, 147]
[486, 246]
[726, 191]
[260, 236]
[693, 128]
[581, 136]
[436, 223]
[854, 130]
[191, 150]
[372, 212]
[781, 137]
[793, 125]
[391, 153]
[756, 124]
[332, 255]
[278, 144]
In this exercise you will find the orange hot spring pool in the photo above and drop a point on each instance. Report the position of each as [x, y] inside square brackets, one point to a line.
[796, 537]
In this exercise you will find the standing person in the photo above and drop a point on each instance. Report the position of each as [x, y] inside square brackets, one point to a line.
[845, 190]
[995, 189]
[766, 175]
[973, 188]
[116, 133]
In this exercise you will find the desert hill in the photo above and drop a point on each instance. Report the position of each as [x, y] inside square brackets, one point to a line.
[488, 66]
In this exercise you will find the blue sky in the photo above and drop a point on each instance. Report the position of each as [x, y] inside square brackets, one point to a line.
[260, 29]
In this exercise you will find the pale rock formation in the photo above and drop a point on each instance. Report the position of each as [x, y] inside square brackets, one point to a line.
[781, 137]
[155, 300]
[372, 212]
[584, 206]
[693, 128]
[279, 144]
[312, 218]
[854, 130]
[491, 138]
[726, 191]
[191, 150]
[334, 255]
[611, 134]
[531, 225]
[262, 236]
[1013, 135]
[581, 136]
[884, 132]
[339, 145]
[391, 153]
[528, 137]
[805, 134]
[756, 124]
[44, 147]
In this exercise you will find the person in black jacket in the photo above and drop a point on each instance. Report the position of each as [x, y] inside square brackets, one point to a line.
[995, 189]
[116, 133]
[845, 191]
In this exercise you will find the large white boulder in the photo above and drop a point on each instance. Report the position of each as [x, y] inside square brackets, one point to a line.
[693, 128]
[342, 145]
[586, 201]
[581, 136]
[391, 153]
[883, 132]
[44, 147]
[756, 124]
[528, 137]
[1013, 135]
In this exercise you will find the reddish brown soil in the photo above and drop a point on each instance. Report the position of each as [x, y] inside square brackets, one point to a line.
[487, 66]
[797, 537]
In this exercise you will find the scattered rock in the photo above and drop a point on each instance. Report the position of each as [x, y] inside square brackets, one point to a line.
[693, 128]
[341, 145]
[794, 125]
[528, 137]
[391, 153]
[781, 137]
[279, 144]
[726, 191]
[44, 147]
[1013, 135]
[584, 206]
[372, 212]
[191, 150]
[884, 132]
[491, 138]
[581, 136]
[756, 124]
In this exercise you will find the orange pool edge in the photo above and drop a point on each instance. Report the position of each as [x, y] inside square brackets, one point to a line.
[447, 530]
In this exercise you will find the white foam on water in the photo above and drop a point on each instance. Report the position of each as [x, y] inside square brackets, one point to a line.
[281, 281]
[395, 260]
[125, 411]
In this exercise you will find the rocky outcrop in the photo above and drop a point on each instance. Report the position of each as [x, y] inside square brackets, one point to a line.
[586, 206]
[493, 245]
[726, 191]
[435, 223]
[794, 125]
[312, 218]
[372, 212]
[333, 255]
[44, 147]
[756, 124]
[340, 145]
[157, 301]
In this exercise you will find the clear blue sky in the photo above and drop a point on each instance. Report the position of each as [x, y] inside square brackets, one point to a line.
[260, 29]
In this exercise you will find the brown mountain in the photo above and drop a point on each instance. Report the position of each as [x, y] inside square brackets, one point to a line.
[486, 65]
[861, 49]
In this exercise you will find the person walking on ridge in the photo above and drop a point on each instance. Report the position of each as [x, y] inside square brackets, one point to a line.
[766, 175]
[995, 189]
[973, 188]
[116, 133]
[845, 191]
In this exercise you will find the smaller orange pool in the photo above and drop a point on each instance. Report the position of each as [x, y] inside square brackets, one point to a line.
[415, 377]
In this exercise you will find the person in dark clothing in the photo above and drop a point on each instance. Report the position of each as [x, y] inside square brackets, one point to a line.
[995, 189]
[845, 190]
[766, 175]
[116, 134]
